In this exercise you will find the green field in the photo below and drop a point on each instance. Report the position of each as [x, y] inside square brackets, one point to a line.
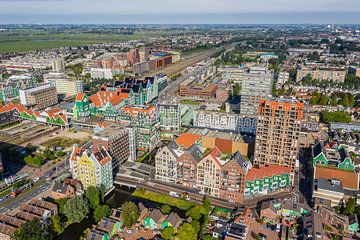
[21, 42]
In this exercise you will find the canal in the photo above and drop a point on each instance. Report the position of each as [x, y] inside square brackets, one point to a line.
[115, 199]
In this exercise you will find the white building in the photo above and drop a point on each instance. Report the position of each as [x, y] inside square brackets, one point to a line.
[216, 120]
[100, 73]
[58, 65]
[64, 85]
[257, 84]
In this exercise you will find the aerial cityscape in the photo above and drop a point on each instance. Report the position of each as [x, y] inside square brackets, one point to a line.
[179, 120]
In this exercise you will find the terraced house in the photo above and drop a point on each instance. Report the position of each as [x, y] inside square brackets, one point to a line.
[266, 180]
[208, 170]
[332, 155]
[93, 167]
[147, 124]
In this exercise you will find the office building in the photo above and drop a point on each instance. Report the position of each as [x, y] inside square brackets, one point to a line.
[64, 85]
[257, 84]
[116, 141]
[92, 167]
[39, 97]
[215, 120]
[277, 133]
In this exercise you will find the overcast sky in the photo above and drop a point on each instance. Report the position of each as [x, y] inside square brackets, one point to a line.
[180, 11]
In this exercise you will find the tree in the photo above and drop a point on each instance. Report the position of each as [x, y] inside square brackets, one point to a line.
[92, 194]
[34, 230]
[76, 209]
[130, 213]
[350, 206]
[102, 193]
[236, 89]
[207, 237]
[61, 204]
[167, 233]
[207, 204]
[345, 102]
[101, 211]
[186, 231]
[165, 209]
[60, 153]
[323, 100]
[334, 101]
[337, 116]
[196, 226]
[56, 224]
[195, 212]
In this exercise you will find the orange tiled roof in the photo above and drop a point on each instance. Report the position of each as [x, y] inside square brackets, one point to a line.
[348, 179]
[77, 152]
[101, 98]
[266, 171]
[79, 97]
[133, 110]
[187, 139]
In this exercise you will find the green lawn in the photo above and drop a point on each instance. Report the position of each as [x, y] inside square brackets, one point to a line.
[190, 102]
[28, 42]
[163, 199]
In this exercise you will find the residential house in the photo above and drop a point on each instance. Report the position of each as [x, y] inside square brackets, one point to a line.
[154, 219]
[172, 220]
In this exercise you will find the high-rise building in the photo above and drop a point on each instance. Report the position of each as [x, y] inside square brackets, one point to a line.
[116, 141]
[143, 54]
[92, 167]
[257, 84]
[277, 133]
[133, 56]
[39, 97]
[64, 85]
[58, 65]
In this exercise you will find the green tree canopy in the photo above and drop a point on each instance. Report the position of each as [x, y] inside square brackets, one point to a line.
[186, 231]
[92, 195]
[207, 204]
[195, 212]
[130, 213]
[102, 193]
[101, 211]
[76, 209]
[350, 206]
[56, 224]
[34, 230]
[167, 233]
[165, 209]
[337, 116]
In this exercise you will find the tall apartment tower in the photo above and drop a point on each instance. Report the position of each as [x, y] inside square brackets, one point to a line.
[58, 65]
[133, 56]
[116, 141]
[277, 133]
[256, 85]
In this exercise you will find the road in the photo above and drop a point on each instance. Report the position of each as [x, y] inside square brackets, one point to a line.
[44, 183]
[195, 196]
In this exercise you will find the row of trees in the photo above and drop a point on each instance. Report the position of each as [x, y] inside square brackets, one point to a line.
[337, 116]
[343, 99]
